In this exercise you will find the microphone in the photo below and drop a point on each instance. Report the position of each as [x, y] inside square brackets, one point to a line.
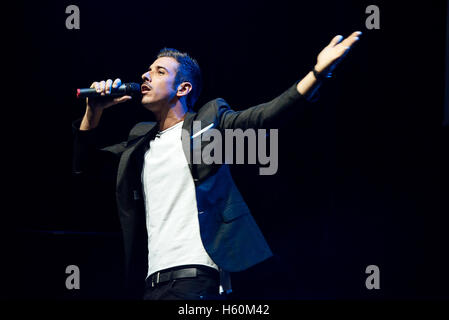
[131, 88]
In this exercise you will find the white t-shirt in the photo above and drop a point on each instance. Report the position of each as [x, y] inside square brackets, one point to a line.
[170, 205]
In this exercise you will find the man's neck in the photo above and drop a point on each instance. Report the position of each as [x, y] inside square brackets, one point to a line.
[171, 116]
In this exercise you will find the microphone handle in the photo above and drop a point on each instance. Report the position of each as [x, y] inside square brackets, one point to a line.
[124, 89]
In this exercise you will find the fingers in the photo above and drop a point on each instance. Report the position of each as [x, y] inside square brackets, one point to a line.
[349, 41]
[117, 83]
[335, 40]
[96, 85]
[342, 48]
[105, 87]
[108, 86]
[100, 87]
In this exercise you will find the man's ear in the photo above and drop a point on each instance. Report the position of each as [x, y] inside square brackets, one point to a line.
[183, 89]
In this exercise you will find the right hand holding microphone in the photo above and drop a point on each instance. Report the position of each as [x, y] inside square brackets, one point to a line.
[105, 101]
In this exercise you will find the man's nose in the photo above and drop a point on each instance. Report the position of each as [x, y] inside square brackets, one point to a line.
[146, 76]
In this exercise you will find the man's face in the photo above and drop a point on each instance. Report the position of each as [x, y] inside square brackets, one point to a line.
[157, 87]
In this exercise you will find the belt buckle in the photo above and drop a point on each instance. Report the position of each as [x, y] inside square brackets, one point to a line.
[157, 279]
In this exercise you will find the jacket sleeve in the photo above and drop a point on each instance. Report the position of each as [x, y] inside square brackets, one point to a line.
[90, 154]
[266, 115]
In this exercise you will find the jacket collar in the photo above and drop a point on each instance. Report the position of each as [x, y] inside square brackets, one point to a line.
[188, 120]
[187, 125]
[144, 143]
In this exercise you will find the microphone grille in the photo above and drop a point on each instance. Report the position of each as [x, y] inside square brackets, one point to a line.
[133, 88]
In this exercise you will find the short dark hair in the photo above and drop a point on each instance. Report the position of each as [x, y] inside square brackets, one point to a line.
[188, 70]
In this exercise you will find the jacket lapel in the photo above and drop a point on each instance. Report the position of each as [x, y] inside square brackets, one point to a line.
[187, 146]
[136, 151]
[193, 144]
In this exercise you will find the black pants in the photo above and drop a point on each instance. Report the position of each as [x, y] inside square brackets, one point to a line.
[202, 287]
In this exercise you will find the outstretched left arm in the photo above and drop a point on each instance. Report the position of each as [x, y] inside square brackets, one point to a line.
[327, 60]
[289, 103]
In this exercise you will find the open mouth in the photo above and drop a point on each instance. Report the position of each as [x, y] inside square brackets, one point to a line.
[144, 88]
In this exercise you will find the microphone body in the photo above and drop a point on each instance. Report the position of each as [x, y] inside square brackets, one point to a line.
[131, 88]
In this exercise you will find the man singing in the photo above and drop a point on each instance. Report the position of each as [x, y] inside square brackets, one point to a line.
[185, 225]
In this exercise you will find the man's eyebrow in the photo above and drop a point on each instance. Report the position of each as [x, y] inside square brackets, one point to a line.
[159, 67]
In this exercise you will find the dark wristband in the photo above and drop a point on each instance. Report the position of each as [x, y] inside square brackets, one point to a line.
[320, 76]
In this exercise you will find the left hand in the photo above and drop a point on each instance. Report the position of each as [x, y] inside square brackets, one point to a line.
[334, 52]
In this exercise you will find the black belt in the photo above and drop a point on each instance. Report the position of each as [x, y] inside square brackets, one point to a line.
[167, 275]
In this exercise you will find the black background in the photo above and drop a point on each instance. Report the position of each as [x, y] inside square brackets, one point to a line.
[363, 176]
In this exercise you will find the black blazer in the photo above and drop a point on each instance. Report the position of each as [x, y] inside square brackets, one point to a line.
[229, 233]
